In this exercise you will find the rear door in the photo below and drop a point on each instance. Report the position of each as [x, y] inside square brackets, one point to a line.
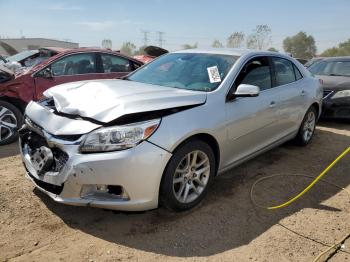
[291, 89]
[74, 67]
[111, 66]
[252, 121]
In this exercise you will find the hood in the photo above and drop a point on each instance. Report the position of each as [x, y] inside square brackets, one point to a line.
[333, 82]
[108, 100]
[6, 74]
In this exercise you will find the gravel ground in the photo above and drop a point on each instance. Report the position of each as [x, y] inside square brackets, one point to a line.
[225, 227]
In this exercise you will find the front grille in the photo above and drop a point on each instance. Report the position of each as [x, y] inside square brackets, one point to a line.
[60, 159]
[326, 93]
[35, 140]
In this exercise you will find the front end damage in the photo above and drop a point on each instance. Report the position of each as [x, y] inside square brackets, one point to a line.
[122, 180]
[54, 139]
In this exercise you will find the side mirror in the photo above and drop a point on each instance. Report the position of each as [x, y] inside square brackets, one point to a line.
[46, 73]
[244, 90]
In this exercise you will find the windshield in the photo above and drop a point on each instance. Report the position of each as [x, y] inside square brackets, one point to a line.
[193, 71]
[331, 68]
[22, 55]
[312, 62]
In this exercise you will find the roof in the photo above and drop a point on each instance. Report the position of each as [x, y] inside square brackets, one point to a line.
[56, 49]
[231, 51]
[338, 58]
[37, 38]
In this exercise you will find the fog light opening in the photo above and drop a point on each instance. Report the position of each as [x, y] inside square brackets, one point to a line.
[104, 192]
[116, 190]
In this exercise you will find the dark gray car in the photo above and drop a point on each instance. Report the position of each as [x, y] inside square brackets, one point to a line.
[334, 73]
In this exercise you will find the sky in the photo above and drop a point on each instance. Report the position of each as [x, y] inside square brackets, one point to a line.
[202, 21]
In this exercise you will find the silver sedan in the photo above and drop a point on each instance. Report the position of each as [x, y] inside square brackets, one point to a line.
[161, 135]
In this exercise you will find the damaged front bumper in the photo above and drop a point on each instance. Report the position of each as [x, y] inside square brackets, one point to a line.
[126, 180]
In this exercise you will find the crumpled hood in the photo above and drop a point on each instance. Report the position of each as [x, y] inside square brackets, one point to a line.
[107, 100]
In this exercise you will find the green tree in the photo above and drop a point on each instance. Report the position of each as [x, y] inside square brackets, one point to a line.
[217, 44]
[128, 48]
[300, 45]
[260, 38]
[343, 49]
[189, 46]
[272, 49]
[235, 40]
[106, 43]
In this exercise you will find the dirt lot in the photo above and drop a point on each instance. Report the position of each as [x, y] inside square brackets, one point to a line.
[226, 227]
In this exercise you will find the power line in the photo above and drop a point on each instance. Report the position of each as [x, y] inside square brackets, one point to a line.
[160, 38]
[145, 37]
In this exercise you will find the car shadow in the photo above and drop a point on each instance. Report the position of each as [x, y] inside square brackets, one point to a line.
[9, 150]
[343, 124]
[227, 218]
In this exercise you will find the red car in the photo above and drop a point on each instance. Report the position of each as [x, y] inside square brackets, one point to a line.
[150, 53]
[67, 66]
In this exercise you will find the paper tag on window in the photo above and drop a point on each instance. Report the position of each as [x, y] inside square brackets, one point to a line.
[214, 75]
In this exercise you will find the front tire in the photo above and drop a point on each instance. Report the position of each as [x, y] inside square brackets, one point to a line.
[11, 120]
[307, 128]
[187, 176]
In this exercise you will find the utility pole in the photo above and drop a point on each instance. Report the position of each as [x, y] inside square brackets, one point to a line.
[145, 37]
[160, 38]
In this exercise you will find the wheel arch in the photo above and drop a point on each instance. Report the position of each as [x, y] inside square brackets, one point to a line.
[210, 140]
[318, 109]
[20, 104]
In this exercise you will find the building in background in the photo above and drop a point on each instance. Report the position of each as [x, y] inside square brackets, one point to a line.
[11, 46]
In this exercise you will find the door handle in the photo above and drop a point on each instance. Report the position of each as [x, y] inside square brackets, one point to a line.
[272, 104]
[302, 93]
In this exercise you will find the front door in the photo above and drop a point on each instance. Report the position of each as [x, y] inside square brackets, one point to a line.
[252, 121]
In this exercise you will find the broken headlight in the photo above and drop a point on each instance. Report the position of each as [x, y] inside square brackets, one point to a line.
[118, 137]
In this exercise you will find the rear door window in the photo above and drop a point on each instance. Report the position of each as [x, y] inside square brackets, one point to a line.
[115, 64]
[298, 75]
[284, 71]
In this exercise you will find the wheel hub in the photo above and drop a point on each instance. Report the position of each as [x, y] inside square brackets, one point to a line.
[191, 176]
[8, 123]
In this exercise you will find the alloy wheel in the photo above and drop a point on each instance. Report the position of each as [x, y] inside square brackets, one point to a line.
[191, 176]
[309, 126]
[8, 123]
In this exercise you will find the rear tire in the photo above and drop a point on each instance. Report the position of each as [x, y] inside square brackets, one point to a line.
[307, 128]
[11, 119]
[187, 176]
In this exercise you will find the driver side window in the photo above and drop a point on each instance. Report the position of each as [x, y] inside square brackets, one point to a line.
[256, 72]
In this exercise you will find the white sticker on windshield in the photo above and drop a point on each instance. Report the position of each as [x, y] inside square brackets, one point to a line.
[214, 75]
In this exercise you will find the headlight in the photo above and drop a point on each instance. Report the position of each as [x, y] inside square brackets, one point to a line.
[342, 93]
[118, 137]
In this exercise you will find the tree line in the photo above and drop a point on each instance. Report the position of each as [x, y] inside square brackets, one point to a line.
[300, 45]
